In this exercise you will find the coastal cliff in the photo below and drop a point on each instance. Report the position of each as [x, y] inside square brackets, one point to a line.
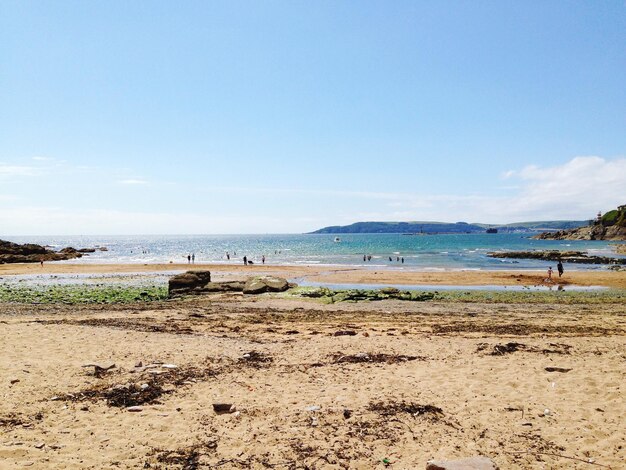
[610, 226]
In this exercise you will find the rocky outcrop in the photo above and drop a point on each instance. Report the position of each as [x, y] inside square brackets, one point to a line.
[199, 282]
[261, 284]
[611, 226]
[30, 253]
[556, 255]
[191, 282]
[591, 232]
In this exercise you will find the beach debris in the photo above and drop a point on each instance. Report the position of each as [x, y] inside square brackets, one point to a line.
[471, 463]
[187, 458]
[223, 408]
[314, 421]
[134, 409]
[557, 348]
[394, 408]
[508, 348]
[345, 333]
[14, 381]
[100, 369]
[362, 357]
[169, 366]
[313, 408]
[386, 462]
[11, 420]
[547, 412]
[557, 369]
[40, 445]
[256, 359]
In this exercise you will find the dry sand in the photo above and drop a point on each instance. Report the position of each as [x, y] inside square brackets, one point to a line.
[338, 275]
[505, 405]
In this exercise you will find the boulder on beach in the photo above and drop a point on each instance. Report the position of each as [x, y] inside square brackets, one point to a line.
[261, 284]
[189, 282]
[199, 282]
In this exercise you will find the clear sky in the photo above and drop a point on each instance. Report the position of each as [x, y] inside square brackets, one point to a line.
[139, 117]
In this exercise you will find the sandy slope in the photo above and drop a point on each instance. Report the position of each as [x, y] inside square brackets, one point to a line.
[490, 404]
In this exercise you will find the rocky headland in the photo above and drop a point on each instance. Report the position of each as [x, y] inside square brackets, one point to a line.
[31, 253]
[610, 226]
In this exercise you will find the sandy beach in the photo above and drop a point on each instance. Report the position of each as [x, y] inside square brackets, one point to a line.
[347, 385]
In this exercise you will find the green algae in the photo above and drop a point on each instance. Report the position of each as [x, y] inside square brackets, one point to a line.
[76, 294]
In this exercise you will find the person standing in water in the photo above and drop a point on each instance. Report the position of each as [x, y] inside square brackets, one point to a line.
[245, 261]
[559, 268]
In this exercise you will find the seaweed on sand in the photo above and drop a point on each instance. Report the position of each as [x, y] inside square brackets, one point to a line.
[395, 408]
[359, 358]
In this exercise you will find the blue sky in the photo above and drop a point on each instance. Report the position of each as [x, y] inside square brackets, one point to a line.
[256, 117]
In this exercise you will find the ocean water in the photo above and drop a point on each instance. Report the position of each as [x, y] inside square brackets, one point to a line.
[420, 252]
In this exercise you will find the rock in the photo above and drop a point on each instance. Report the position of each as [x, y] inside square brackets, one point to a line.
[222, 408]
[557, 369]
[100, 369]
[30, 253]
[471, 463]
[556, 255]
[190, 282]
[261, 284]
[227, 286]
[390, 290]
[40, 445]
[14, 381]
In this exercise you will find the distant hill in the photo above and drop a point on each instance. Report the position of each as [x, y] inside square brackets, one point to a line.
[443, 227]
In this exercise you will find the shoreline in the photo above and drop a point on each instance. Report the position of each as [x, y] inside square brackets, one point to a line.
[338, 274]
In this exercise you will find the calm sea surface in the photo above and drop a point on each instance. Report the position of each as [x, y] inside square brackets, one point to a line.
[420, 252]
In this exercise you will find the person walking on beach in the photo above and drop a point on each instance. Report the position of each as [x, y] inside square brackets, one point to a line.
[193, 258]
[245, 261]
[188, 259]
[41, 261]
[263, 259]
[559, 268]
[550, 274]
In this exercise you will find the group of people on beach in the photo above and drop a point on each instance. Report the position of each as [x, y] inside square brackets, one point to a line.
[399, 259]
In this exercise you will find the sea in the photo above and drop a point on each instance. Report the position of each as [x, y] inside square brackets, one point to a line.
[438, 252]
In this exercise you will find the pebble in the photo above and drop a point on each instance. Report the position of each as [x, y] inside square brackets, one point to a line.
[547, 412]
[145, 386]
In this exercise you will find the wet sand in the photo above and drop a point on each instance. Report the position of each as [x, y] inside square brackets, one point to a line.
[340, 275]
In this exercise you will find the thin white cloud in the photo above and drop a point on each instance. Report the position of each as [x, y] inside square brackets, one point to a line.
[7, 170]
[133, 181]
